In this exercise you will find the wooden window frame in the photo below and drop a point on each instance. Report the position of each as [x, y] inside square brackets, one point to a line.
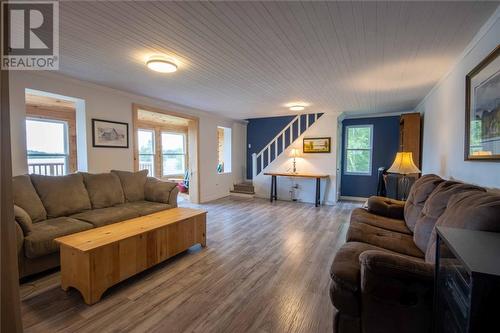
[69, 117]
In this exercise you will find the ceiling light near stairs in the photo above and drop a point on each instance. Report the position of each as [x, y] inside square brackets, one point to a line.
[161, 64]
[297, 108]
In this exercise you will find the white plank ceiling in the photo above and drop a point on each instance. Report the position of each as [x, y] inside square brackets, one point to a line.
[249, 59]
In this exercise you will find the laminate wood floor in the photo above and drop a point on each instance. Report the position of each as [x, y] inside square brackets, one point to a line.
[265, 269]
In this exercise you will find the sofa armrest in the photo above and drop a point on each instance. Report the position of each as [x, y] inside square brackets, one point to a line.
[386, 207]
[396, 290]
[161, 191]
[172, 200]
[19, 238]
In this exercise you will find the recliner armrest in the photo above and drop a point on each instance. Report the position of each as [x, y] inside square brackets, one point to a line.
[396, 266]
[395, 290]
[386, 207]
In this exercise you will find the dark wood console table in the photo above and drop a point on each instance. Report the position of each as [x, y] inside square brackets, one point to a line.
[274, 182]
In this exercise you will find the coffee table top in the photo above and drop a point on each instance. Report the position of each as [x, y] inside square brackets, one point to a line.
[98, 237]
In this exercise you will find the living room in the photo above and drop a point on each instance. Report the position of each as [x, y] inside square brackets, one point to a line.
[250, 166]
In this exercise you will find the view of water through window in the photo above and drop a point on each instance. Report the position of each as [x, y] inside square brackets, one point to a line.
[46, 143]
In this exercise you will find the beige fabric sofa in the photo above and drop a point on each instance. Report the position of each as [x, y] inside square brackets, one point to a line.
[47, 207]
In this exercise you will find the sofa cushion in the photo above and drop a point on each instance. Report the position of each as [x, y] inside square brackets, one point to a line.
[346, 277]
[145, 207]
[132, 184]
[434, 207]
[103, 216]
[23, 219]
[105, 189]
[419, 193]
[40, 241]
[390, 240]
[62, 195]
[468, 210]
[158, 191]
[360, 215]
[25, 196]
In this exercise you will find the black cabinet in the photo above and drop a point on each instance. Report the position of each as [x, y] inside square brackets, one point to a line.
[467, 289]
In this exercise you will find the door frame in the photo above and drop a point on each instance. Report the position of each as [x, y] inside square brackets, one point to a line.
[194, 125]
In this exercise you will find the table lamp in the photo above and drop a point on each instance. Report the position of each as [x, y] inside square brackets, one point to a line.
[403, 164]
[294, 152]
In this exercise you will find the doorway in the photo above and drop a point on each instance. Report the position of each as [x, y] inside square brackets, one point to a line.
[166, 144]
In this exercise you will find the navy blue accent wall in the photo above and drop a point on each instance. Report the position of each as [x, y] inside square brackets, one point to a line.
[259, 132]
[385, 147]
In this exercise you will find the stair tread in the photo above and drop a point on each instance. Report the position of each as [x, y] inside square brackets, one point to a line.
[244, 192]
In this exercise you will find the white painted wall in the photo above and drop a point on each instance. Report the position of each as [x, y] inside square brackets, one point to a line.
[444, 117]
[105, 103]
[326, 126]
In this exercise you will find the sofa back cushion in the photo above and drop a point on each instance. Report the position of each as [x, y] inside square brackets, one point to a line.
[434, 207]
[62, 195]
[468, 210]
[132, 184]
[105, 189]
[419, 193]
[25, 196]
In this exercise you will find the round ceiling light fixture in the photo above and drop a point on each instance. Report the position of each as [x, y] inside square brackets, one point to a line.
[161, 64]
[297, 108]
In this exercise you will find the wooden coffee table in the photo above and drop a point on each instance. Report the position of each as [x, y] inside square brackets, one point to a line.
[96, 259]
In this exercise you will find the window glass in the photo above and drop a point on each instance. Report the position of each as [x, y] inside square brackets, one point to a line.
[173, 146]
[358, 149]
[46, 143]
[223, 149]
[146, 145]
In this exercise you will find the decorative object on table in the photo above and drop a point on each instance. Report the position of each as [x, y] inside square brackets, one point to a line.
[316, 145]
[482, 110]
[468, 280]
[294, 153]
[403, 164]
[109, 134]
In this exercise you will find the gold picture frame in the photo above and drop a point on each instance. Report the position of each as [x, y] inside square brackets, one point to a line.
[322, 145]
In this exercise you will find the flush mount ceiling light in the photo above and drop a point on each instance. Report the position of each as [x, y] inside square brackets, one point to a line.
[161, 64]
[297, 108]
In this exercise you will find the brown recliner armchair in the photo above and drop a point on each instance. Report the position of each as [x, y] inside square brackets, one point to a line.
[382, 278]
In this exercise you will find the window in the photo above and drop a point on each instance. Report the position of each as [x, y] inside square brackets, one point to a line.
[358, 150]
[146, 142]
[173, 149]
[224, 149]
[47, 146]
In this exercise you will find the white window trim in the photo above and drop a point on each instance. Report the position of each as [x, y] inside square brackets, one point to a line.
[184, 142]
[346, 149]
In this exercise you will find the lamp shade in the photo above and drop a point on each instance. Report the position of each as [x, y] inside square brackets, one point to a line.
[403, 164]
[294, 152]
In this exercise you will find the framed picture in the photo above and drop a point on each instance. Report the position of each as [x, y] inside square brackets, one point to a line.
[109, 134]
[482, 110]
[316, 145]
